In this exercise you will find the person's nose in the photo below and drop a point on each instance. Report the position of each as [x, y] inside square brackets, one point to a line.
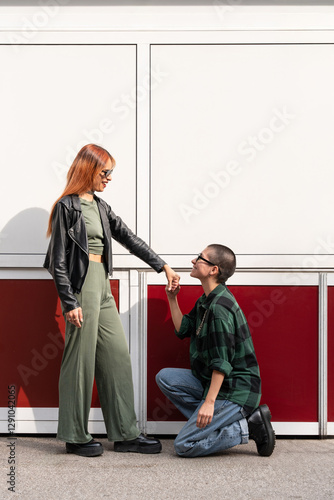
[193, 261]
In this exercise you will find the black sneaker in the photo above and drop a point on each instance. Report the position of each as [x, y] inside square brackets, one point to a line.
[141, 444]
[91, 449]
[260, 429]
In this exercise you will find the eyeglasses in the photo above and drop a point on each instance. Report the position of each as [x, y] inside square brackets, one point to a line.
[199, 257]
[106, 173]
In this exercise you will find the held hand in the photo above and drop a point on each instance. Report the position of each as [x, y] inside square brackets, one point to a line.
[172, 293]
[205, 414]
[75, 317]
[172, 277]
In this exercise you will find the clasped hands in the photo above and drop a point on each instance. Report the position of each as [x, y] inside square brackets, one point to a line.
[172, 279]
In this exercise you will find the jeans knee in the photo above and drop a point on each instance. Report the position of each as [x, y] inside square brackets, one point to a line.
[180, 447]
[160, 378]
[177, 446]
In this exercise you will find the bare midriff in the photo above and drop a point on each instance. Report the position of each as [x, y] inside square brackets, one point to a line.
[96, 258]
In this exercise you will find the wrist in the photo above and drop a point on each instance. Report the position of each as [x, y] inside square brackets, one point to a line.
[210, 400]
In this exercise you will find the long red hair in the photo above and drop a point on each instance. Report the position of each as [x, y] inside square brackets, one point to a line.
[88, 163]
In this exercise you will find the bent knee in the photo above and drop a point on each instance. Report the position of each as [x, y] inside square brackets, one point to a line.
[178, 449]
[161, 377]
[181, 447]
[158, 376]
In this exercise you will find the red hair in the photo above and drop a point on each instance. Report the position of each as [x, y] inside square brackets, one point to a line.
[88, 163]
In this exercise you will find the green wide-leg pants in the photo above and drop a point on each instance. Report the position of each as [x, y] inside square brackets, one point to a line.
[99, 349]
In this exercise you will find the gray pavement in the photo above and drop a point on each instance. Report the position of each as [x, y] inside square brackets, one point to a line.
[298, 469]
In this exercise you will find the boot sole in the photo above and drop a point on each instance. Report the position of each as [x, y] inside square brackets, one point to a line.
[139, 449]
[86, 453]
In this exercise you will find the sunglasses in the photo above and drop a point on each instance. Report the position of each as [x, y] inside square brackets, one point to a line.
[199, 257]
[106, 173]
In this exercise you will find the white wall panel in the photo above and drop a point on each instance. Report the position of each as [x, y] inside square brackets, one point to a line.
[36, 17]
[242, 148]
[53, 100]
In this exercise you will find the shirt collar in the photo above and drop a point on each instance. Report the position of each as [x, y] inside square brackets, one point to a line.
[206, 301]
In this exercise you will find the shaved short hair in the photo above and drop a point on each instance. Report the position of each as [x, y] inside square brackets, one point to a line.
[225, 259]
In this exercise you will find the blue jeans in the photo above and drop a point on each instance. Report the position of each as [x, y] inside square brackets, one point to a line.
[228, 427]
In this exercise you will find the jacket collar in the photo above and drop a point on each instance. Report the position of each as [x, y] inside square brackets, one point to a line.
[76, 202]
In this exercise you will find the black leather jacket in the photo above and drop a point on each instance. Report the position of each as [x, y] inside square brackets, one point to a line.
[67, 256]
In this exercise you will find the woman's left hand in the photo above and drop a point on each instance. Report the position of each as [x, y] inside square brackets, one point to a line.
[172, 277]
[75, 317]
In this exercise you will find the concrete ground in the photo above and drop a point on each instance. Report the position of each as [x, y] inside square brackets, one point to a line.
[298, 469]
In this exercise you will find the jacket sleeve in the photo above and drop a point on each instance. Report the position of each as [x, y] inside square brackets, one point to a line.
[121, 233]
[56, 262]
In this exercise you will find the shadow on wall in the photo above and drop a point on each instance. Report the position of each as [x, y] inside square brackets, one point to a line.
[25, 233]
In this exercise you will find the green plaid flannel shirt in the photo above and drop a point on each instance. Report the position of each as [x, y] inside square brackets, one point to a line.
[224, 343]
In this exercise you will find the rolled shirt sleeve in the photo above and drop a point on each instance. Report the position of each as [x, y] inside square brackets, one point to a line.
[188, 325]
[221, 345]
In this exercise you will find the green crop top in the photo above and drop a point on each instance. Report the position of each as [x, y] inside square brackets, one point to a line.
[92, 218]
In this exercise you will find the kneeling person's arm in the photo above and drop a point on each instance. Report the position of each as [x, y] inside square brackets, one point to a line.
[206, 411]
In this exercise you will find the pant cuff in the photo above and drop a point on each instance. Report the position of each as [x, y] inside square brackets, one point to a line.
[244, 431]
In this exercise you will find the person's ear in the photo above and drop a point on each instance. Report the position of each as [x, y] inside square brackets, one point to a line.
[214, 270]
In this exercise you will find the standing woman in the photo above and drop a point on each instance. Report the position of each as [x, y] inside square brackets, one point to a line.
[79, 258]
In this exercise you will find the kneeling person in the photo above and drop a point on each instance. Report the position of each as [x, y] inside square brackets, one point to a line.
[221, 393]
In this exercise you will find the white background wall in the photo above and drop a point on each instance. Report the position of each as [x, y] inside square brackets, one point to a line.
[206, 155]
[218, 71]
[241, 137]
[55, 99]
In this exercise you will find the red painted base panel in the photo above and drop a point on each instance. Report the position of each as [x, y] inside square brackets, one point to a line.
[284, 326]
[32, 342]
[331, 354]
